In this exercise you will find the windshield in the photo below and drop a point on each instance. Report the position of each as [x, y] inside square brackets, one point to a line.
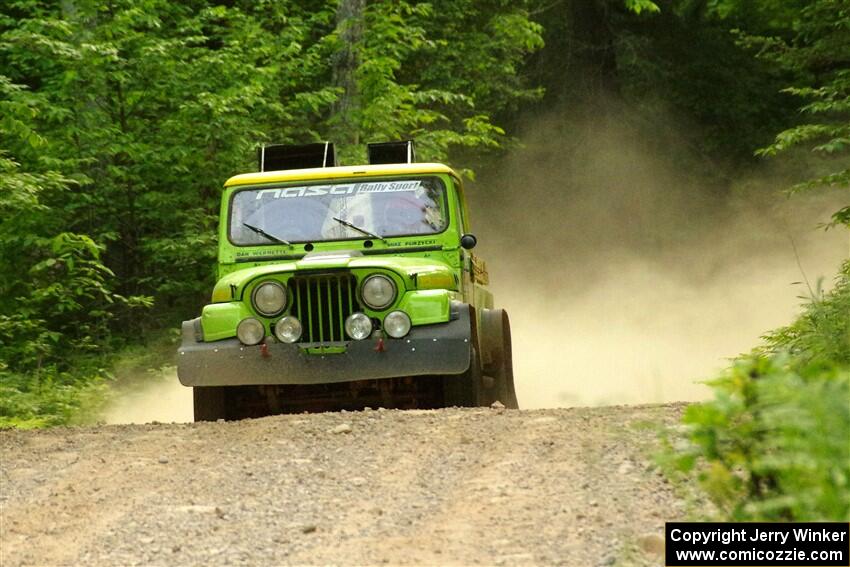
[338, 211]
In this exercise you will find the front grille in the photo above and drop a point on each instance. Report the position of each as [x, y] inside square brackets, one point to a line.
[322, 303]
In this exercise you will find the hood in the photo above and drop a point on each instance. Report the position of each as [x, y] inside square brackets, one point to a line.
[418, 273]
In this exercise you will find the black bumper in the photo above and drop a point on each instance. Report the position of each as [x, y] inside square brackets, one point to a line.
[442, 348]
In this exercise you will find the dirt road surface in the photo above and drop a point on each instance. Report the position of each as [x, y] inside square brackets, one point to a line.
[448, 487]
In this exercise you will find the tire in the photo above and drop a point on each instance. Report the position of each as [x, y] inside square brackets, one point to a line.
[505, 374]
[467, 389]
[498, 356]
[210, 403]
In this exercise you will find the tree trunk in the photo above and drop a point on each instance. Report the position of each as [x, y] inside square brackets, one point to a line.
[349, 25]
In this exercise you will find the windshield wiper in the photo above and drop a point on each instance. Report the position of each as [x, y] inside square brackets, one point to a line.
[262, 232]
[358, 229]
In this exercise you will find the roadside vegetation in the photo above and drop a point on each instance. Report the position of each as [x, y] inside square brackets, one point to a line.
[773, 444]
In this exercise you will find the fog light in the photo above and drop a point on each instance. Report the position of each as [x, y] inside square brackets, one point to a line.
[288, 329]
[250, 331]
[358, 326]
[397, 324]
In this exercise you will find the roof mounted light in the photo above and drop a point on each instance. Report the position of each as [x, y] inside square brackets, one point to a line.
[391, 152]
[281, 156]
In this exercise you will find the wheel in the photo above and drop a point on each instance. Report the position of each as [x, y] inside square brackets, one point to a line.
[467, 389]
[210, 403]
[497, 356]
[505, 372]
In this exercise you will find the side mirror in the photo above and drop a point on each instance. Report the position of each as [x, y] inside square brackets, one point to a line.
[468, 241]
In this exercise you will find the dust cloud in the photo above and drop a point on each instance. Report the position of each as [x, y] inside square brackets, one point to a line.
[628, 279]
[154, 395]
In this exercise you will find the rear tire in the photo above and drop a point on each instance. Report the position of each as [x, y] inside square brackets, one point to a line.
[505, 374]
[467, 389]
[498, 357]
[210, 403]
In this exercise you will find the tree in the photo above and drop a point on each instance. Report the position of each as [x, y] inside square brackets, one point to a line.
[819, 53]
[437, 72]
[810, 42]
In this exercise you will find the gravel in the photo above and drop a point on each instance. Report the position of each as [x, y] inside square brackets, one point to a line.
[446, 487]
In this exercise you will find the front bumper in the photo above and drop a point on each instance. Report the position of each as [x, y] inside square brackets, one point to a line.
[443, 348]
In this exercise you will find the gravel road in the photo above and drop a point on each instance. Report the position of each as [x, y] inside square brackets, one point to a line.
[447, 487]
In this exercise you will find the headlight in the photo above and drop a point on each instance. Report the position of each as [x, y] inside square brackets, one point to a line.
[250, 331]
[288, 329]
[269, 298]
[358, 326]
[397, 324]
[378, 291]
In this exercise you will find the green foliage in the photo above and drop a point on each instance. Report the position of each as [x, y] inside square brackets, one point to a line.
[409, 80]
[60, 301]
[60, 295]
[821, 335]
[773, 444]
[56, 398]
[638, 6]
[812, 44]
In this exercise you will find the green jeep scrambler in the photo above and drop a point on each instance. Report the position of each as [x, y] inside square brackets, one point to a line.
[346, 288]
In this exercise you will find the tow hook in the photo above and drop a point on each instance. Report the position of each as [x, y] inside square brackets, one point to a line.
[264, 350]
[379, 346]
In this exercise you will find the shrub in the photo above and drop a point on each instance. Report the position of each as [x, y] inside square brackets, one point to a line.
[52, 398]
[774, 443]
